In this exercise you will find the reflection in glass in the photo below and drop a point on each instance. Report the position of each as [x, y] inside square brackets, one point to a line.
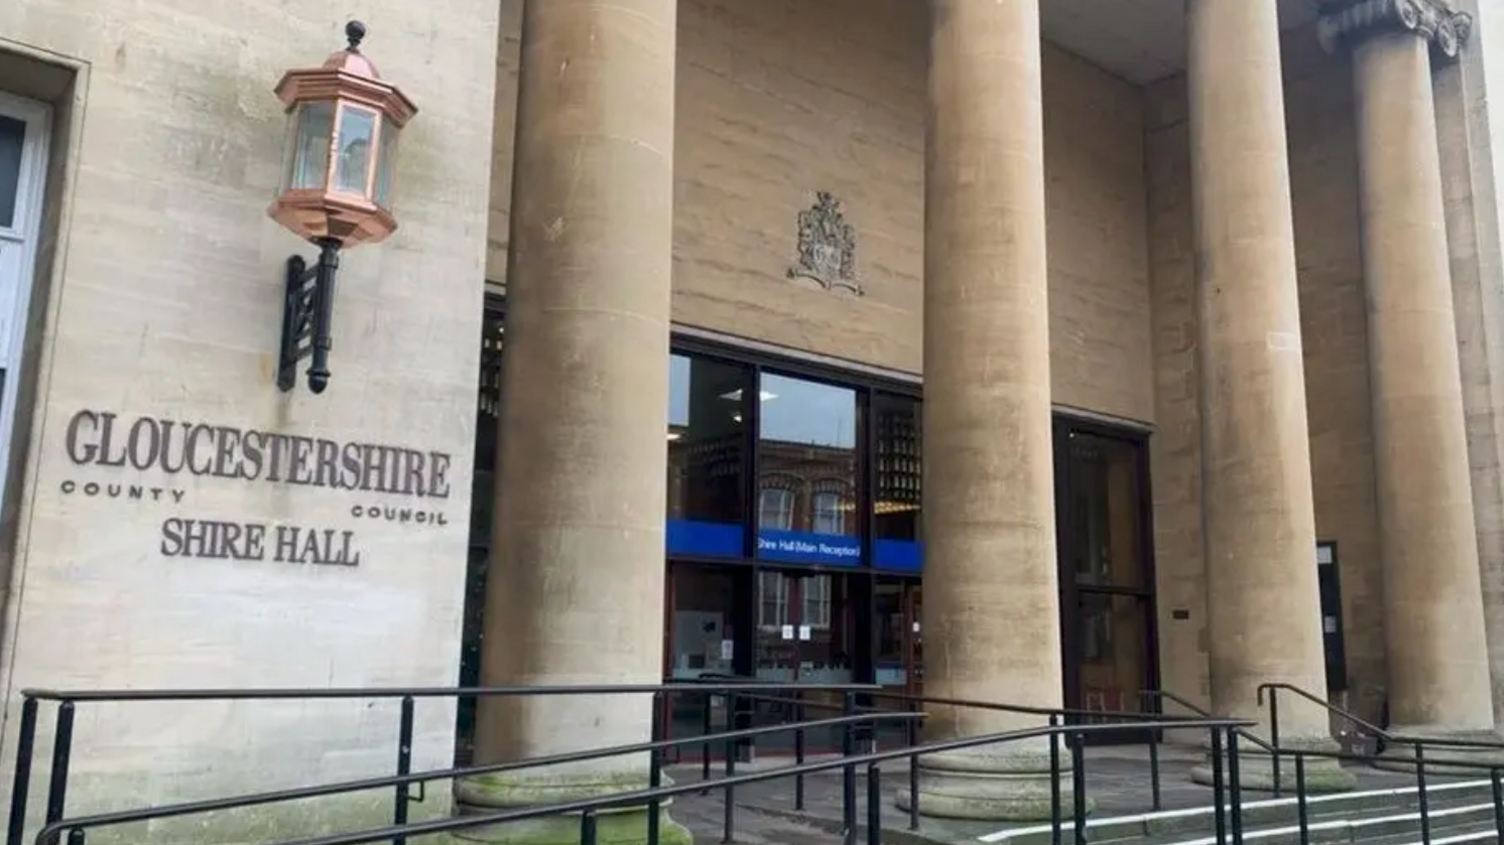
[310, 162]
[896, 536]
[805, 635]
[706, 456]
[807, 463]
[357, 129]
[12, 140]
[1104, 484]
[775, 507]
[703, 640]
[1114, 637]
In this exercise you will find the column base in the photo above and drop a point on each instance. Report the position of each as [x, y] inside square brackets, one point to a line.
[507, 791]
[1256, 768]
[991, 788]
[1400, 757]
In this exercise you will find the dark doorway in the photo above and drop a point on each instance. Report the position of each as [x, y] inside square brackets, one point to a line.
[1106, 570]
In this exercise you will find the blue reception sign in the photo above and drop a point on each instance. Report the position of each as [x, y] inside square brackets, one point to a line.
[805, 547]
[724, 539]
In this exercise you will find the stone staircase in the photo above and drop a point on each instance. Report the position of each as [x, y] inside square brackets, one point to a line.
[1461, 813]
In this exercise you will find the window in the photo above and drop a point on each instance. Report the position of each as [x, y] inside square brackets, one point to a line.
[816, 602]
[897, 474]
[773, 600]
[807, 435]
[24, 126]
[829, 518]
[12, 143]
[775, 508]
[707, 460]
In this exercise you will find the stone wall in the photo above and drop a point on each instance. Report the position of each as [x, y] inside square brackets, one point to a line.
[163, 299]
[780, 99]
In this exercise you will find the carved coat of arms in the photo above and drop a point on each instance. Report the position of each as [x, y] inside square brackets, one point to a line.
[827, 247]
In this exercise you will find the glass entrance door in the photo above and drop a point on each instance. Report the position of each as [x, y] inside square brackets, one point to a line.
[707, 637]
[898, 662]
[805, 631]
[1106, 584]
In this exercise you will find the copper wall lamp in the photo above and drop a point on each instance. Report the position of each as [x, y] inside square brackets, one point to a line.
[342, 129]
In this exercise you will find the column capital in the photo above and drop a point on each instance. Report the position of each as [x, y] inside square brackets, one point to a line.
[1348, 22]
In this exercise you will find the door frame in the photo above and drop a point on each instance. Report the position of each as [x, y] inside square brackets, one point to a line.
[15, 298]
[1067, 538]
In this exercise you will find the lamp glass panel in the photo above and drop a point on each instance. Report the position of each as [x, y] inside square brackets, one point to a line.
[310, 159]
[386, 152]
[357, 130]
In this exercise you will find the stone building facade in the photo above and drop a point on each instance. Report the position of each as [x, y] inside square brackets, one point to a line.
[1173, 301]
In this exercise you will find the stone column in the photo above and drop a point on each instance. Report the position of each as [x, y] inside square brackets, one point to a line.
[575, 594]
[991, 615]
[1465, 117]
[1263, 605]
[1438, 660]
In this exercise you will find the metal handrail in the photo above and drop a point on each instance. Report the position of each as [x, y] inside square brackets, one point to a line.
[1029, 710]
[68, 700]
[325, 790]
[1402, 739]
[1494, 770]
[251, 694]
[587, 808]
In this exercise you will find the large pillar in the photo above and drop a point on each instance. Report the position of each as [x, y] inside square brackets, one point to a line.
[575, 594]
[1263, 606]
[1438, 660]
[991, 615]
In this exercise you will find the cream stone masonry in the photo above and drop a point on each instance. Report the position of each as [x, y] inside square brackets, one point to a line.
[1264, 617]
[780, 98]
[576, 586]
[164, 302]
[992, 630]
[1435, 634]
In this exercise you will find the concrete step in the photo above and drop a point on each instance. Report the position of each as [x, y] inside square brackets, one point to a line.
[1462, 808]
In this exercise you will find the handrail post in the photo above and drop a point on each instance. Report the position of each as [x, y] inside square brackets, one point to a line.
[587, 828]
[25, 748]
[1154, 785]
[62, 748]
[655, 764]
[912, 729]
[874, 805]
[1235, 786]
[1302, 809]
[1219, 805]
[1274, 737]
[1425, 801]
[404, 765]
[799, 749]
[848, 772]
[1078, 786]
[708, 726]
[1054, 780]
[728, 793]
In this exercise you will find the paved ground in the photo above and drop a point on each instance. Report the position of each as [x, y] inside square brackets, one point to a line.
[1117, 780]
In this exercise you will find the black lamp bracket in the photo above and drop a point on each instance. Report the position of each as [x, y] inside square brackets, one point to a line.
[306, 314]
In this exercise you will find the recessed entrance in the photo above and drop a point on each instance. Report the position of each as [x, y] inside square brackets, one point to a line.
[794, 539]
[1106, 578]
